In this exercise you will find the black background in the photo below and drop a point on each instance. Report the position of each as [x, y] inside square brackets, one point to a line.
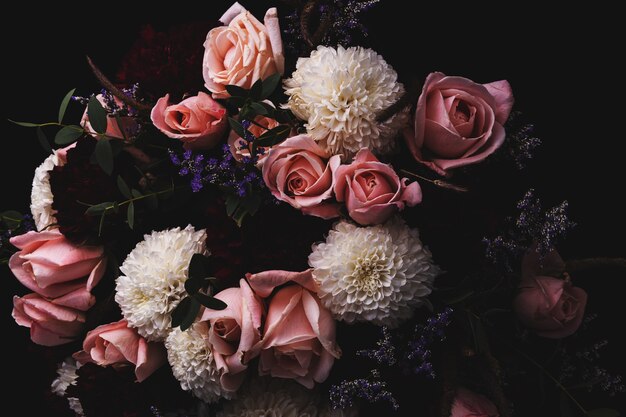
[563, 67]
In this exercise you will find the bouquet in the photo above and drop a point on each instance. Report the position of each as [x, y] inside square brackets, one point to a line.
[261, 216]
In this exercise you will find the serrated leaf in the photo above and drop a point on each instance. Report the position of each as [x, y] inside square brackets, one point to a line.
[64, 103]
[236, 91]
[258, 109]
[269, 85]
[123, 187]
[274, 136]
[130, 215]
[68, 134]
[104, 155]
[232, 202]
[256, 90]
[199, 266]
[603, 412]
[136, 193]
[192, 313]
[97, 209]
[237, 127]
[97, 115]
[11, 218]
[210, 302]
[25, 124]
[180, 311]
[43, 140]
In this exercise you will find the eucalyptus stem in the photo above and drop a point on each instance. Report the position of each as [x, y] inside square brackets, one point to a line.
[438, 183]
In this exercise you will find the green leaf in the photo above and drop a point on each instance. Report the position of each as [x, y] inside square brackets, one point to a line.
[192, 313]
[274, 136]
[180, 311]
[64, 103]
[258, 109]
[236, 91]
[136, 193]
[269, 85]
[232, 201]
[192, 286]
[97, 209]
[237, 127]
[256, 90]
[104, 155]
[130, 215]
[252, 203]
[239, 215]
[97, 115]
[68, 134]
[210, 302]
[11, 218]
[120, 126]
[25, 124]
[43, 140]
[199, 266]
[123, 187]
[603, 412]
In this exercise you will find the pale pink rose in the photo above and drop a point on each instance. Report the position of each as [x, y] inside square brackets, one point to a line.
[551, 307]
[50, 265]
[124, 128]
[299, 172]
[469, 404]
[51, 323]
[235, 333]
[199, 121]
[118, 345]
[458, 122]
[299, 333]
[372, 191]
[242, 52]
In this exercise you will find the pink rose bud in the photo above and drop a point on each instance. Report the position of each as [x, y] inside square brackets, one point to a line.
[551, 307]
[199, 122]
[299, 333]
[118, 345]
[242, 52]
[300, 173]
[234, 333]
[50, 265]
[124, 128]
[458, 122]
[469, 404]
[372, 191]
[51, 323]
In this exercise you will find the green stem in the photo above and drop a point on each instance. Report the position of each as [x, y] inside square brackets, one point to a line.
[141, 197]
[438, 183]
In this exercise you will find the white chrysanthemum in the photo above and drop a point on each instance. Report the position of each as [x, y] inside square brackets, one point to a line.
[377, 274]
[66, 376]
[154, 279]
[41, 195]
[192, 363]
[339, 93]
[76, 406]
[277, 398]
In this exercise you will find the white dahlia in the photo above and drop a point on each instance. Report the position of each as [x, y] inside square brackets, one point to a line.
[41, 195]
[377, 274]
[339, 93]
[66, 376]
[192, 362]
[154, 279]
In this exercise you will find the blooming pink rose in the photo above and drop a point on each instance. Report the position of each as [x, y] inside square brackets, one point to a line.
[458, 122]
[469, 404]
[242, 52]
[234, 333]
[50, 265]
[125, 128]
[373, 192]
[51, 323]
[240, 148]
[297, 172]
[299, 333]
[199, 122]
[118, 345]
[551, 307]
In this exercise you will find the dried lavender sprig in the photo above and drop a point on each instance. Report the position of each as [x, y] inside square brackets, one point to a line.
[521, 141]
[385, 354]
[418, 353]
[370, 389]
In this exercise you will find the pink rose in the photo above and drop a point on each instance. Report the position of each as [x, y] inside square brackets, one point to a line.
[242, 52]
[469, 404]
[125, 128]
[118, 345]
[373, 192]
[551, 307]
[299, 333]
[50, 265]
[199, 122]
[240, 148]
[234, 333]
[458, 122]
[51, 323]
[299, 172]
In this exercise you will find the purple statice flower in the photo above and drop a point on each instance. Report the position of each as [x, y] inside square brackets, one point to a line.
[418, 354]
[370, 389]
[385, 354]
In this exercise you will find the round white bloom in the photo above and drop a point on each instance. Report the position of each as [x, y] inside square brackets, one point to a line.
[278, 398]
[377, 274]
[66, 376]
[192, 362]
[154, 279]
[340, 92]
[41, 195]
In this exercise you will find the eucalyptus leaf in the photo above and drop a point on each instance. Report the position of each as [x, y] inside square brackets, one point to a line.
[269, 85]
[274, 136]
[210, 302]
[232, 201]
[97, 115]
[258, 109]
[25, 124]
[68, 134]
[199, 266]
[123, 187]
[104, 155]
[236, 91]
[136, 193]
[237, 127]
[192, 286]
[43, 140]
[192, 313]
[180, 311]
[64, 104]
[130, 215]
[256, 90]
[479, 336]
[603, 412]
[11, 218]
[97, 209]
